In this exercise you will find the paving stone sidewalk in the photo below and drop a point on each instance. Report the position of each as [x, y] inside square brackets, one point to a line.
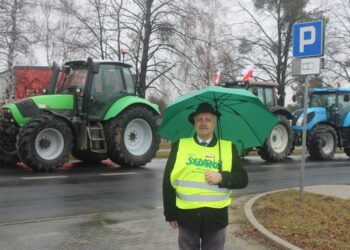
[147, 231]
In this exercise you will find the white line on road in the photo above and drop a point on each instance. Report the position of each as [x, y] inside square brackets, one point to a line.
[272, 166]
[111, 174]
[44, 177]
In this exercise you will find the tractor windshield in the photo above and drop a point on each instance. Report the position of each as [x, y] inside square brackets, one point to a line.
[326, 100]
[75, 79]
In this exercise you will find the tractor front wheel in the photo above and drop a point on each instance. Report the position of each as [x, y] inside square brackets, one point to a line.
[322, 142]
[132, 137]
[45, 143]
[278, 144]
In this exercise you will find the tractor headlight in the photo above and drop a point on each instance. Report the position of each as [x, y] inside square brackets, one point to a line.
[299, 121]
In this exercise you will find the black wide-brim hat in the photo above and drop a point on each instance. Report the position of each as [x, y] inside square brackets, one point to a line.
[204, 107]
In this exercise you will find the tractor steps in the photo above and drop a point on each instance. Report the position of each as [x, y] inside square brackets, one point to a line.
[97, 137]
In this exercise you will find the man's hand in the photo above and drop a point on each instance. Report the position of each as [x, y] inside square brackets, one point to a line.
[213, 177]
[174, 224]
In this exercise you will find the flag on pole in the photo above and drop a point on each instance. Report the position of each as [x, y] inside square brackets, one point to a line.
[217, 76]
[248, 72]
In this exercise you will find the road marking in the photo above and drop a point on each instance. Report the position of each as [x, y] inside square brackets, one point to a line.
[39, 236]
[111, 174]
[44, 177]
[272, 166]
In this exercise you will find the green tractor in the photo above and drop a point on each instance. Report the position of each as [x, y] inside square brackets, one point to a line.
[90, 111]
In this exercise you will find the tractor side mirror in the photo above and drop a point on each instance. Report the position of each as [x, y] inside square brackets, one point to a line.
[346, 98]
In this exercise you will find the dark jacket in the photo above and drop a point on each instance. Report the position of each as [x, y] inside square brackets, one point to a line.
[201, 218]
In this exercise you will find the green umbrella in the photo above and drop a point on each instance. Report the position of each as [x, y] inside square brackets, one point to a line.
[244, 118]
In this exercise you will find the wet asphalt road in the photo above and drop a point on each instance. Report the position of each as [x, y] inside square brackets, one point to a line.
[89, 189]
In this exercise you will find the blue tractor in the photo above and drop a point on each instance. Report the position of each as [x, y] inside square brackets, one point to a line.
[328, 123]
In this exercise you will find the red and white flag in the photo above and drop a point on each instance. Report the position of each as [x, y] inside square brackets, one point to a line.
[217, 76]
[248, 72]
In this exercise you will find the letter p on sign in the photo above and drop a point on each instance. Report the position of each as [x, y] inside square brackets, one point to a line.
[308, 39]
[304, 31]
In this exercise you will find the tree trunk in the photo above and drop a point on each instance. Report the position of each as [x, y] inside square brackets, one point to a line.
[146, 40]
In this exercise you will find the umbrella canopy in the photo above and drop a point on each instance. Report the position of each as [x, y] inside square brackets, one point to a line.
[244, 118]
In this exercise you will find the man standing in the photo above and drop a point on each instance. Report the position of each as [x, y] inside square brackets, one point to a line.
[198, 180]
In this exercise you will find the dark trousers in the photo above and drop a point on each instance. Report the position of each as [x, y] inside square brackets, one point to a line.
[195, 240]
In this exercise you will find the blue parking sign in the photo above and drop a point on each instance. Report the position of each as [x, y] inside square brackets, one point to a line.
[308, 39]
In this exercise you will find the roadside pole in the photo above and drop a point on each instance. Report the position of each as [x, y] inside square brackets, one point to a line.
[308, 40]
[302, 172]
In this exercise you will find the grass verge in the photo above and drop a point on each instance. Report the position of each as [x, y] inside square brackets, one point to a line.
[318, 222]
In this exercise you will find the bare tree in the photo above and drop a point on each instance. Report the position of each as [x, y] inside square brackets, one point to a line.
[91, 22]
[14, 39]
[271, 46]
[337, 52]
[205, 46]
[47, 28]
[150, 27]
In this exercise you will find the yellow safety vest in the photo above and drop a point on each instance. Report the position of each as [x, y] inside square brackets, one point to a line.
[187, 177]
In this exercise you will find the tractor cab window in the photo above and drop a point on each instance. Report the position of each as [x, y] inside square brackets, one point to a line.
[74, 80]
[323, 100]
[129, 80]
[106, 87]
[269, 97]
[112, 81]
[259, 92]
[343, 104]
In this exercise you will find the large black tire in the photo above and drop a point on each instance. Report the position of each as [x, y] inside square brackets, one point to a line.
[322, 142]
[88, 156]
[132, 137]
[45, 143]
[8, 151]
[278, 144]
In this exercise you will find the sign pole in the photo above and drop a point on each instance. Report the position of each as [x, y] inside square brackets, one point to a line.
[308, 40]
[302, 172]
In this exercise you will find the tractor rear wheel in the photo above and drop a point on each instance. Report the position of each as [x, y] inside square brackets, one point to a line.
[132, 137]
[322, 142]
[8, 151]
[278, 144]
[45, 143]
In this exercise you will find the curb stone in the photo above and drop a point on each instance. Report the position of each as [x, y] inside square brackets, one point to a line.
[251, 218]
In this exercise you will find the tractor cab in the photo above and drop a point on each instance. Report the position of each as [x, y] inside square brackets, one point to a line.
[95, 85]
[265, 91]
[334, 101]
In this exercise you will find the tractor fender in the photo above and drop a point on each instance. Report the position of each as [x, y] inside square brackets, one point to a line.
[16, 114]
[127, 101]
[25, 109]
[65, 118]
[319, 116]
[278, 110]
